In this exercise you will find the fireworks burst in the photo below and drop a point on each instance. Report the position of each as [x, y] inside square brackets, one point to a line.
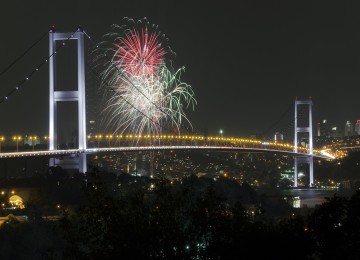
[143, 94]
[137, 53]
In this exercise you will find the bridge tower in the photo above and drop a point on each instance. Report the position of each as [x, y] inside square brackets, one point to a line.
[66, 96]
[308, 159]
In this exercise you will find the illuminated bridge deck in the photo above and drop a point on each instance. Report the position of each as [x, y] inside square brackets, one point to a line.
[126, 143]
[54, 153]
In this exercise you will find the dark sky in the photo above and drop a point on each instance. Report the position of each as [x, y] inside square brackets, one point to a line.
[246, 61]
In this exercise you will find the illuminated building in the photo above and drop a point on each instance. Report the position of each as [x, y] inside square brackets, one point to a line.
[294, 201]
[334, 132]
[318, 128]
[322, 129]
[349, 129]
[357, 127]
[278, 137]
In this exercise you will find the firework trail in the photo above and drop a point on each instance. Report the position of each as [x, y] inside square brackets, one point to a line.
[143, 93]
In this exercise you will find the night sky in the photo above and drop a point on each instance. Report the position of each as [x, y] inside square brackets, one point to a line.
[246, 61]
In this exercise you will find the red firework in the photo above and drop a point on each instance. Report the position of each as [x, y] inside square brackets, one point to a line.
[138, 54]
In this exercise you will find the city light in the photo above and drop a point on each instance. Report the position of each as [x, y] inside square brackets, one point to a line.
[2, 138]
[33, 140]
[109, 137]
[127, 140]
[324, 152]
[98, 138]
[46, 138]
[17, 139]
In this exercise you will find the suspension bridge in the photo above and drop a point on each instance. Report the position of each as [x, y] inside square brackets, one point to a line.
[303, 154]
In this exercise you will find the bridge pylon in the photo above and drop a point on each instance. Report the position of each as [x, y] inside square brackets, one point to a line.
[308, 128]
[66, 96]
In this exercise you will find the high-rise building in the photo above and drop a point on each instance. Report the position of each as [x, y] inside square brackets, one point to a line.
[278, 137]
[321, 128]
[318, 128]
[357, 127]
[334, 132]
[349, 131]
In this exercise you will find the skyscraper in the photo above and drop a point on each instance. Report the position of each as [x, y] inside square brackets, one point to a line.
[322, 128]
[318, 128]
[334, 132]
[349, 131]
[278, 137]
[357, 127]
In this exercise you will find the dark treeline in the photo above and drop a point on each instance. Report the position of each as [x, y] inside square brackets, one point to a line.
[129, 217]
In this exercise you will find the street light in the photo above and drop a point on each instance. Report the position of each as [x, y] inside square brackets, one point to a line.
[46, 138]
[109, 137]
[98, 137]
[17, 139]
[33, 139]
[88, 138]
[118, 139]
[1, 140]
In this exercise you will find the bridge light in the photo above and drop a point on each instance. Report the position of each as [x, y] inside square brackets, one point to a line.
[33, 139]
[17, 139]
[1, 140]
[109, 137]
[98, 137]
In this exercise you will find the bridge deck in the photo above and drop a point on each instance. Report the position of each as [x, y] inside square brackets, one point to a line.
[152, 148]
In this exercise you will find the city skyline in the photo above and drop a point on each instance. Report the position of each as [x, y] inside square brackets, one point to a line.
[246, 62]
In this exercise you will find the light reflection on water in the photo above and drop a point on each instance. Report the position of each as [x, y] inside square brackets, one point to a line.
[312, 197]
